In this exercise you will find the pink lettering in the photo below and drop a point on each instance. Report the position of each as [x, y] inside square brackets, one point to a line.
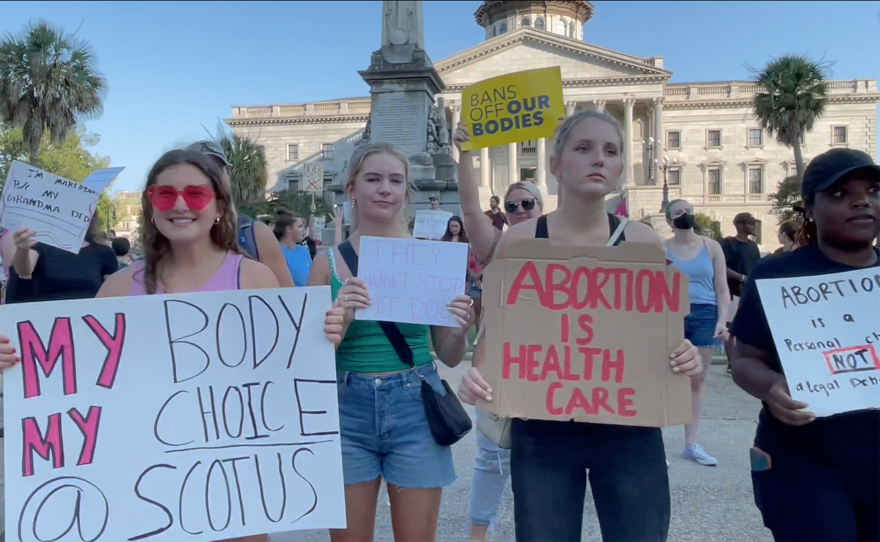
[89, 429]
[33, 441]
[113, 344]
[33, 351]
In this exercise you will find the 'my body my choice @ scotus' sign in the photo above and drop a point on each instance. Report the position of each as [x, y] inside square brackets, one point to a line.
[511, 108]
[172, 418]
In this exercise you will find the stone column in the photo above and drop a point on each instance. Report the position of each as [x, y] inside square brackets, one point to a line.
[659, 137]
[512, 171]
[599, 105]
[570, 108]
[485, 167]
[541, 173]
[628, 140]
[456, 118]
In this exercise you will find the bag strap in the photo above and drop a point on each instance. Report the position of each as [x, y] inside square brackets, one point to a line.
[617, 232]
[392, 332]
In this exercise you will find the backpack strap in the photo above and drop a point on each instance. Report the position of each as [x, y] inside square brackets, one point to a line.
[615, 235]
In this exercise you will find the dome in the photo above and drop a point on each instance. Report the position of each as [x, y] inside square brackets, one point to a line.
[563, 18]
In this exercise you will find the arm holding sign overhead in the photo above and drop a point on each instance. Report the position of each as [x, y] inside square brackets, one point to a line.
[481, 232]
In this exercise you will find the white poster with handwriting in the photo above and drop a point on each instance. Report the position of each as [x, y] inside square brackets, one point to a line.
[172, 418]
[430, 224]
[99, 179]
[59, 210]
[411, 281]
[827, 331]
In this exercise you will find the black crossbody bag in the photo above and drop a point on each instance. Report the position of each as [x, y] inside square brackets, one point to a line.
[446, 417]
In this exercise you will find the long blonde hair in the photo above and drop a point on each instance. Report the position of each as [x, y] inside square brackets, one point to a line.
[356, 163]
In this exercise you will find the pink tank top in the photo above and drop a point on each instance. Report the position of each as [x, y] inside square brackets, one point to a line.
[226, 278]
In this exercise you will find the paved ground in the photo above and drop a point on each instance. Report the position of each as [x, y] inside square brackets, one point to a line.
[708, 503]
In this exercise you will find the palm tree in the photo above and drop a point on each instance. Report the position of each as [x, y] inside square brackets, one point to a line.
[791, 97]
[48, 80]
[248, 168]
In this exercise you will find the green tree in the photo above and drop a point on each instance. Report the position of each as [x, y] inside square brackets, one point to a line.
[791, 97]
[248, 169]
[787, 195]
[297, 202]
[48, 82]
[705, 226]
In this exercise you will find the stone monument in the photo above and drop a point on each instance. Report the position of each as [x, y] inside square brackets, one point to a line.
[403, 84]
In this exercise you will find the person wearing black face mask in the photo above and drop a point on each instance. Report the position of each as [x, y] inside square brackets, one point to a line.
[702, 260]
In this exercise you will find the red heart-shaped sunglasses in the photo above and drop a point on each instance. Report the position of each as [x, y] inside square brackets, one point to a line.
[197, 197]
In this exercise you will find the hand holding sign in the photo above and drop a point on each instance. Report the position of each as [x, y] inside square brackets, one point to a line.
[786, 409]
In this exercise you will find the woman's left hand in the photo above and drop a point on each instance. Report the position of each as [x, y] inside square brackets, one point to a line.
[333, 324]
[462, 308]
[686, 359]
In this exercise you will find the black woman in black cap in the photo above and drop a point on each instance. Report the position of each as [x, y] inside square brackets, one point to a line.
[814, 479]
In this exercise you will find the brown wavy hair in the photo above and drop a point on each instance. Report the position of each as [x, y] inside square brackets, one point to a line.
[156, 246]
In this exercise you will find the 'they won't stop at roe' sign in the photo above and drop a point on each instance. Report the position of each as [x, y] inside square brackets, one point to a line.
[585, 334]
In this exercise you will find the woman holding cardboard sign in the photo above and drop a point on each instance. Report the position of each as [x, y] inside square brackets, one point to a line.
[384, 427]
[549, 459]
[814, 479]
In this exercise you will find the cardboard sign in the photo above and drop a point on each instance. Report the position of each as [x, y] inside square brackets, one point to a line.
[511, 108]
[99, 179]
[430, 224]
[827, 330]
[172, 418]
[58, 209]
[411, 281]
[585, 334]
[313, 178]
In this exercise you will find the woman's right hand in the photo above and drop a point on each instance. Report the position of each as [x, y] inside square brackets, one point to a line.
[473, 387]
[24, 239]
[8, 356]
[786, 409]
[352, 296]
[461, 135]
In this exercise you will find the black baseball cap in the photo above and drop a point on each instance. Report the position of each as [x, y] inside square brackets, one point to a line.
[829, 167]
[744, 218]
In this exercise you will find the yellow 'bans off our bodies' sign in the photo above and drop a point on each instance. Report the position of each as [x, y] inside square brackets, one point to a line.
[512, 108]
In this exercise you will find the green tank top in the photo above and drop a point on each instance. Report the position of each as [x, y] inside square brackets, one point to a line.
[366, 349]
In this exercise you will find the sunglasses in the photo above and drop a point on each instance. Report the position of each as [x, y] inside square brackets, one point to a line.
[527, 204]
[196, 197]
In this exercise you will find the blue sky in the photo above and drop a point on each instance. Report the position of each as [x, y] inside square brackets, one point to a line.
[174, 67]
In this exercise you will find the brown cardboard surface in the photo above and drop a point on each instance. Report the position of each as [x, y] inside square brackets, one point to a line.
[554, 356]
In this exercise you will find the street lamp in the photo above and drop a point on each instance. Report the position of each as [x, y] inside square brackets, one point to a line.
[649, 145]
[663, 165]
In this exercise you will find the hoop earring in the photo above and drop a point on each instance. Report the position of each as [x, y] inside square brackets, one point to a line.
[216, 220]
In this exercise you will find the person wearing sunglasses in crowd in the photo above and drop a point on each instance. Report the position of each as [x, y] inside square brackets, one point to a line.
[550, 459]
[255, 238]
[814, 479]
[383, 425]
[190, 244]
[522, 201]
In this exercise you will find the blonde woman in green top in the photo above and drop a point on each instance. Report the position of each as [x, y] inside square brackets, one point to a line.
[384, 430]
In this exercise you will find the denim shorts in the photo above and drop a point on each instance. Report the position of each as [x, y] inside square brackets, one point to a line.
[385, 432]
[699, 325]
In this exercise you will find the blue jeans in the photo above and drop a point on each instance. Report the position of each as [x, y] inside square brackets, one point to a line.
[384, 430]
[491, 470]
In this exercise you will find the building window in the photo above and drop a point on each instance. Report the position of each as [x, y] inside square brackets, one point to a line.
[756, 137]
[673, 140]
[756, 180]
[327, 151]
[560, 27]
[526, 21]
[539, 23]
[714, 182]
[839, 135]
[673, 177]
[494, 31]
[503, 28]
[528, 147]
[713, 139]
[571, 30]
[528, 174]
[759, 225]
[293, 151]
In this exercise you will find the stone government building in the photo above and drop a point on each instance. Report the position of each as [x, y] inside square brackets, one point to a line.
[720, 160]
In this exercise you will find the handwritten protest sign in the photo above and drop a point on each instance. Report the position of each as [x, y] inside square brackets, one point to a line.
[430, 224]
[411, 281]
[826, 329]
[99, 179]
[172, 418]
[313, 178]
[512, 108]
[585, 334]
[59, 210]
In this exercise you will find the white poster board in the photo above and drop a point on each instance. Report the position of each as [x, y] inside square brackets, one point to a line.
[58, 209]
[827, 331]
[99, 179]
[430, 224]
[313, 178]
[172, 418]
[411, 281]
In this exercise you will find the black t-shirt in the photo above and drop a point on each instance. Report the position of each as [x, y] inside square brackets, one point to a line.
[853, 436]
[741, 256]
[60, 274]
[18, 290]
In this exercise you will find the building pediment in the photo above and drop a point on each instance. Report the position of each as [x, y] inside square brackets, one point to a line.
[527, 48]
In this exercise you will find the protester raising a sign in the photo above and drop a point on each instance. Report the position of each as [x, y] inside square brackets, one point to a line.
[511, 108]
[826, 329]
[57, 209]
[585, 334]
[223, 424]
[430, 224]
